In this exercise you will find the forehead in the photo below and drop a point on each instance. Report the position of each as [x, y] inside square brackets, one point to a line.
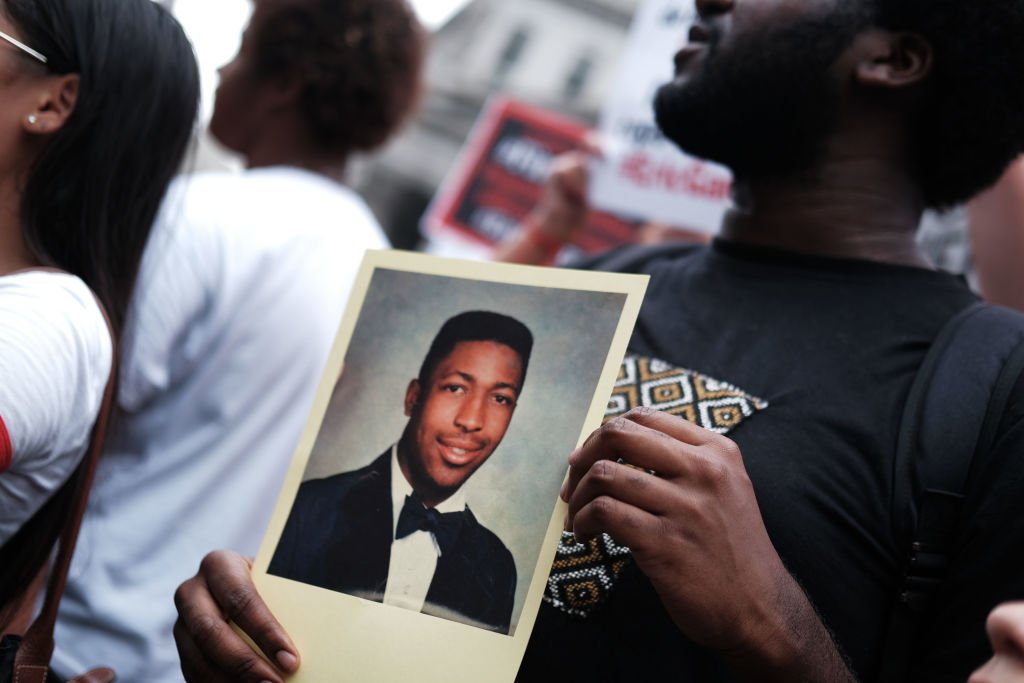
[484, 360]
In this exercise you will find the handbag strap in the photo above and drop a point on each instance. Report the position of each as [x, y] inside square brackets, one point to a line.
[33, 658]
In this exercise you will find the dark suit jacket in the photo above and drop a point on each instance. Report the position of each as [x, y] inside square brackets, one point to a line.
[339, 535]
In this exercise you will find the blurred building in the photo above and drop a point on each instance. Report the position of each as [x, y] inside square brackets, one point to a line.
[559, 54]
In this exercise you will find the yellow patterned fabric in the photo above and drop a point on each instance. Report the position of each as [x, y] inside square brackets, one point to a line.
[708, 402]
[584, 574]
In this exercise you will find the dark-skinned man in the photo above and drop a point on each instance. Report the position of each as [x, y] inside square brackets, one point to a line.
[776, 554]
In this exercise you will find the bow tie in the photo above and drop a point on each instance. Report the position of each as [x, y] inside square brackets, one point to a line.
[445, 526]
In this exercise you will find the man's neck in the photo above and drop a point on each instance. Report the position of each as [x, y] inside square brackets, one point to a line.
[853, 206]
[428, 497]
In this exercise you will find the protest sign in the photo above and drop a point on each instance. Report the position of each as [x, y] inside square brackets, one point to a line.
[643, 174]
[501, 173]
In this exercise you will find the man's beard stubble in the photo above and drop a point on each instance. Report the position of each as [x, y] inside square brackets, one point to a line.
[765, 106]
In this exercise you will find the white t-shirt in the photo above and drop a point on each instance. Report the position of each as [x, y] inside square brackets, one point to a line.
[55, 354]
[241, 291]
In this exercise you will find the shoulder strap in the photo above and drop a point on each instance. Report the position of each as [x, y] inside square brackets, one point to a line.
[33, 658]
[950, 419]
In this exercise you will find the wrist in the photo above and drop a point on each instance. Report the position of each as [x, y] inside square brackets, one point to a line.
[766, 655]
[545, 244]
[786, 641]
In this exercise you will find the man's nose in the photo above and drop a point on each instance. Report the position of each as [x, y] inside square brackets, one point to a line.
[710, 8]
[470, 416]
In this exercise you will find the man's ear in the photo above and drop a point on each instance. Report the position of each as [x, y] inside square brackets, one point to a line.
[892, 60]
[57, 100]
[412, 396]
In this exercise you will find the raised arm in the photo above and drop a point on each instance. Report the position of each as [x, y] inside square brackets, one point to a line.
[560, 214]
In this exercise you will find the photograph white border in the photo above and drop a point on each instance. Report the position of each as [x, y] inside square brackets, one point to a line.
[343, 638]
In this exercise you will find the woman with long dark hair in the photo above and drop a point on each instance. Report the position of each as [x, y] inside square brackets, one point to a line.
[99, 103]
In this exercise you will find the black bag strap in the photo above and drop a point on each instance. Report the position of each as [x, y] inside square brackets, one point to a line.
[950, 422]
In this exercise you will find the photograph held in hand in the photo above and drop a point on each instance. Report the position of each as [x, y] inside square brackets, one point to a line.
[422, 503]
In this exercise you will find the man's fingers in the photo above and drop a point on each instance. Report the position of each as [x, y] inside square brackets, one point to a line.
[629, 485]
[98, 675]
[608, 442]
[569, 174]
[217, 647]
[195, 667]
[626, 524]
[668, 445]
[676, 427]
[592, 144]
[229, 578]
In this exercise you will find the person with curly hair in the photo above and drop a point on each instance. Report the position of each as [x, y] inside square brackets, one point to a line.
[241, 291]
[779, 552]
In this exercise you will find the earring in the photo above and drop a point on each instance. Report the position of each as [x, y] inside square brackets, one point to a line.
[33, 119]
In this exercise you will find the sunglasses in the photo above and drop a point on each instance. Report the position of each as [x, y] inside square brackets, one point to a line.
[23, 47]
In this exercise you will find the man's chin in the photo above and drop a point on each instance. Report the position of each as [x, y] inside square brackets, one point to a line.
[705, 146]
[751, 142]
[684, 122]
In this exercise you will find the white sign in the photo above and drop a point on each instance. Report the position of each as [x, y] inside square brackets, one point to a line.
[642, 174]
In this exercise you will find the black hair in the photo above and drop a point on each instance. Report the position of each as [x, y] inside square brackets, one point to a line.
[93, 192]
[970, 124]
[477, 326]
[91, 195]
[360, 62]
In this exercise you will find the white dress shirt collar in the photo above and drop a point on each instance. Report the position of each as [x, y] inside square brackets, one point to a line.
[400, 488]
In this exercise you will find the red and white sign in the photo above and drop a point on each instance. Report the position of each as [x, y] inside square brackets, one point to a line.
[643, 175]
[500, 176]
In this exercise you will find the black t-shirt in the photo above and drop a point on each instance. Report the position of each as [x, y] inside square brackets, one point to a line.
[833, 346]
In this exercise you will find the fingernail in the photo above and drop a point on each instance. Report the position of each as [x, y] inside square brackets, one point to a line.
[563, 493]
[287, 660]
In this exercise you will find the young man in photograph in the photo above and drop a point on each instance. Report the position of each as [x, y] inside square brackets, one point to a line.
[399, 531]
